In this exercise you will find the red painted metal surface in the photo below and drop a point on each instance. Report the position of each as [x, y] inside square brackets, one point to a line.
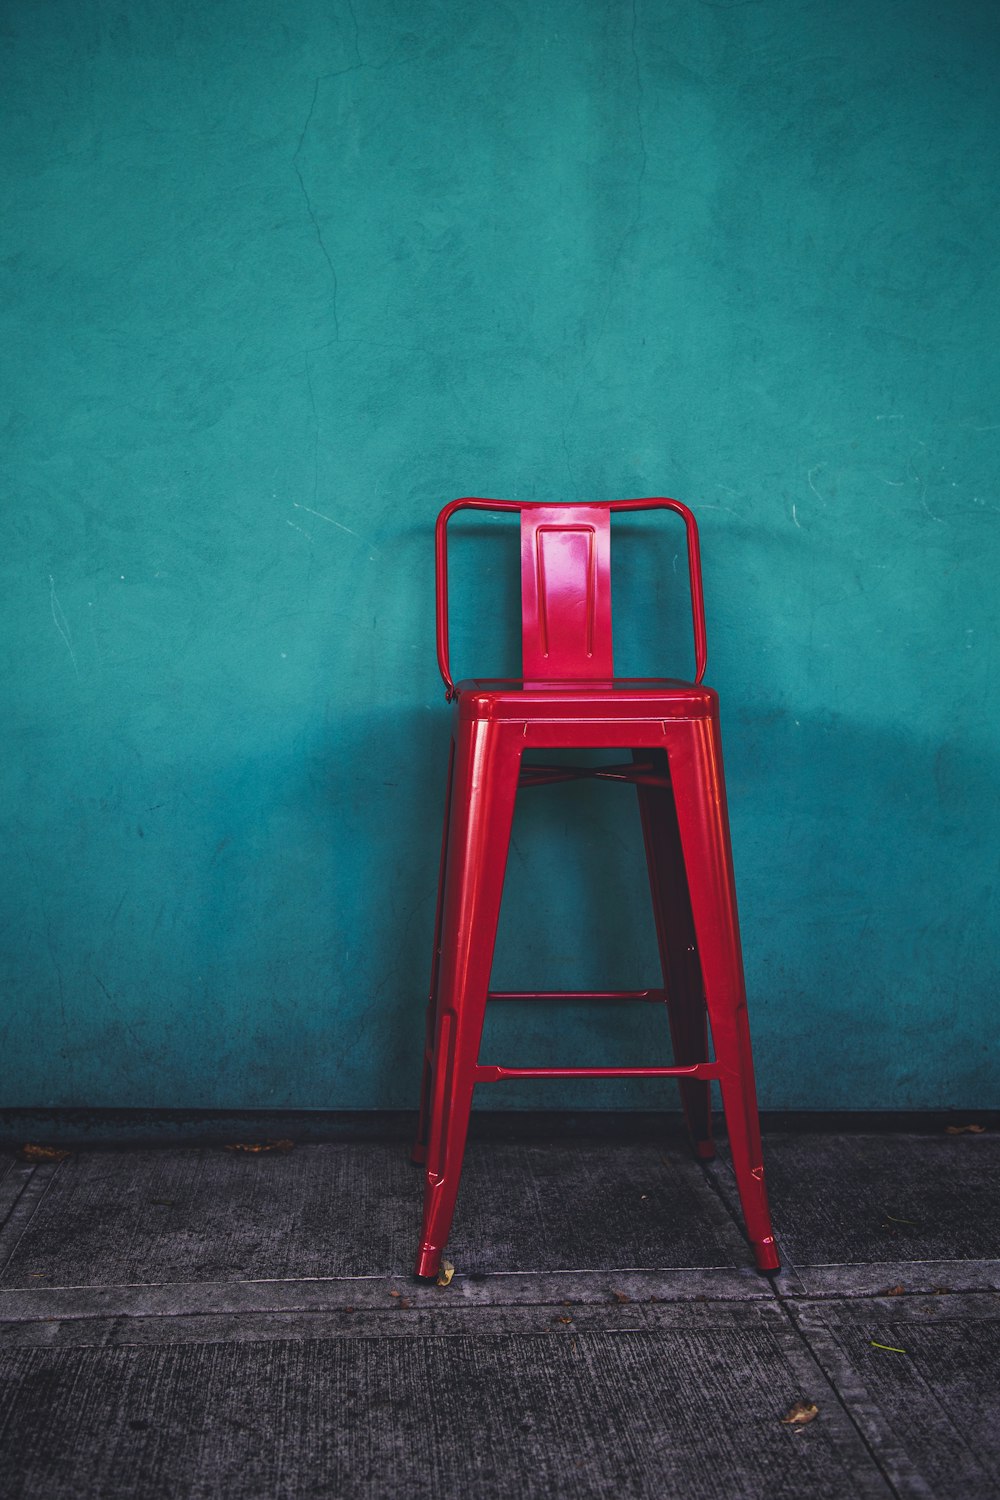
[602, 586]
[568, 698]
[566, 593]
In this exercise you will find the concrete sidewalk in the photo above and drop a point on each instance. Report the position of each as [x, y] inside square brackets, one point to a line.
[199, 1322]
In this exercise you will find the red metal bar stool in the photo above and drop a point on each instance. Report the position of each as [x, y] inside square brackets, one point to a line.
[569, 697]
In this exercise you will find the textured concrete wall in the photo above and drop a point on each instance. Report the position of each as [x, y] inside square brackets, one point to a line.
[280, 280]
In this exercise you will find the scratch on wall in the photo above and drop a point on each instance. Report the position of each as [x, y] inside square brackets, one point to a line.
[339, 524]
[61, 623]
[809, 477]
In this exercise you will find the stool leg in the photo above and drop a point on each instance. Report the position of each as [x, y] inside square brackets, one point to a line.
[484, 786]
[419, 1152]
[678, 949]
[695, 753]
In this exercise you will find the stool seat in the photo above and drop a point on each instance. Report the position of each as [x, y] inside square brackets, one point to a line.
[619, 697]
[569, 698]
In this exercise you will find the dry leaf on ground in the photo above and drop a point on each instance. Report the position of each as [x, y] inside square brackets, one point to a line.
[964, 1129]
[44, 1153]
[893, 1291]
[255, 1147]
[445, 1274]
[801, 1413]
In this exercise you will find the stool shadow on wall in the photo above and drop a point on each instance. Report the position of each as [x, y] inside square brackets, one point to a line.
[860, 850]
[866, 868]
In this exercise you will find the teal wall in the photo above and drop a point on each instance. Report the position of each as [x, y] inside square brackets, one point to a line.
[278, 281]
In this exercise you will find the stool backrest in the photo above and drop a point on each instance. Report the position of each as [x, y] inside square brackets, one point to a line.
[566, 592]
[565, 586]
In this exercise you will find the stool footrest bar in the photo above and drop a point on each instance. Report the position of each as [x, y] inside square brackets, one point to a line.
[658, 995]
[636, 774]
[494, 1073]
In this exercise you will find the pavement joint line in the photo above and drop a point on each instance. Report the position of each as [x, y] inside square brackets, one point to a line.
[12, 1185]
[467, 1279]
[885, 1449]
[955, 1307]
[372, 1328]
[870, 1478]
[392, 1322]
[872, 1278]
[864, 1265]
[792, 1325]
[786, 1300]
[855, 1406]
[876, 1433]
[24, 1208]
[826, 1299]
[596, 1288]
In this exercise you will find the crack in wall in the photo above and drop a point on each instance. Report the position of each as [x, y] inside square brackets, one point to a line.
[315, 427]
[310, 210]
[354, 67]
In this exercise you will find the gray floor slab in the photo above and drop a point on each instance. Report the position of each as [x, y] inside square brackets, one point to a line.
[917, 1209]
[178, 1215]
[922, 1380]
[685, 1407]
[204, 1323]
[564, 1206]
[109, 1218]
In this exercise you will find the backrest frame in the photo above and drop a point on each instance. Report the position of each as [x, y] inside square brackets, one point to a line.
[565, 585]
